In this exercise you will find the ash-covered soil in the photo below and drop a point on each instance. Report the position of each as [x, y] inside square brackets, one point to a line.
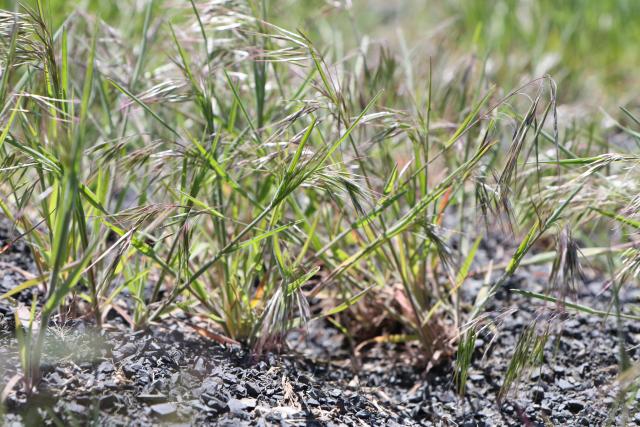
[171, 375]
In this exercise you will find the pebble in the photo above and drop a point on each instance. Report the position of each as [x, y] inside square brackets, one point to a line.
[253, 389]
[199, 366]
[128, 349]
[216, 404]
[75, 407]
[575, 405]
[164, 409]
[240, 405]
[151, 398]
[476, 377]
[285, 411]
[564, 385]
[363, 414]
[106, 367]
[537, 394]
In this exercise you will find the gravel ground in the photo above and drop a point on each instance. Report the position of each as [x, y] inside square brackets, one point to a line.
[171, 375]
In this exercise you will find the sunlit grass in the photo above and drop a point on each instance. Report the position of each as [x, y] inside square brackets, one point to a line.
[197, 157]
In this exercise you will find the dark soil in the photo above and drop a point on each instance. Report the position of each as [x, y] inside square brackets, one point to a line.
[171, 375]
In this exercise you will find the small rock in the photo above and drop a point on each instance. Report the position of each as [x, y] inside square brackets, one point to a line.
[75, 407]
[575, 405]
[130, 369]
[229, 378]
[508, 409]
[199, 366]
[559, 370]
[55, 379]
[285, 411]
[127, 349]
[476, 378]
[561, 416]
[363, 414]
[199, 406]
[336, 392]
[564, 385]
[253, 389]
[537, 394]
[107, 401]
[106, 367]
[415, 397]
[164, 409]
[217, 404]
[152, 398]
[240, 405]
[572, 328]
[447, 397]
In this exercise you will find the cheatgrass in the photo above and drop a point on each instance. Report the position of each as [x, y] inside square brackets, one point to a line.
[209, 159]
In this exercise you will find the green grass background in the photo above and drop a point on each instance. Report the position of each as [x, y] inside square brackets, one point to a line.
[587, 46]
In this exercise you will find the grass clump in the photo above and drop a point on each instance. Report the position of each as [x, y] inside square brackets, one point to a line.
[233, 174]
[222, 166]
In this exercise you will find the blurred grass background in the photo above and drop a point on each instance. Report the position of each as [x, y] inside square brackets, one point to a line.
[587, 46]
